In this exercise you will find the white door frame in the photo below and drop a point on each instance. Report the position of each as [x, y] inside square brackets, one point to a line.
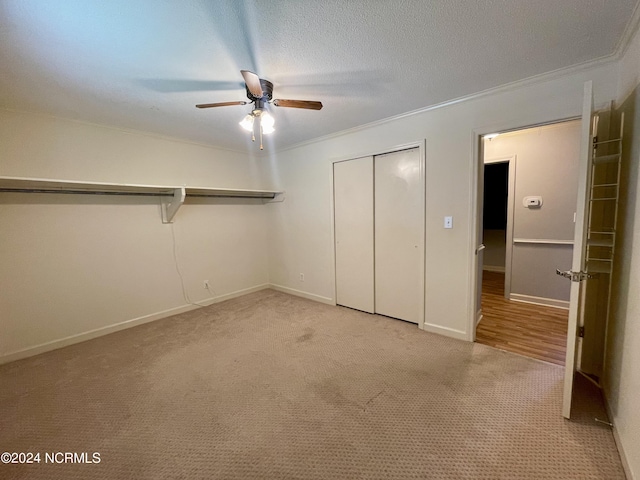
[421, 145]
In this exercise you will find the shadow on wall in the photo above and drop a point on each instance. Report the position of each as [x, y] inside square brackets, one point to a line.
[626, 241]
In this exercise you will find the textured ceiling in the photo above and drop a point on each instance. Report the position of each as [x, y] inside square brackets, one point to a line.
[144, 64]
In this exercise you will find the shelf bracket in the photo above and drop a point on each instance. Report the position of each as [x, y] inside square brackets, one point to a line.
[171, 205]
[277, 198]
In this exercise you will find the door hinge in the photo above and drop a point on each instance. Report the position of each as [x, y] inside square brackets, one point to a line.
[581, 332]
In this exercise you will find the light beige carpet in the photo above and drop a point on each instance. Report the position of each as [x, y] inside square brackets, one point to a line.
[270, 386]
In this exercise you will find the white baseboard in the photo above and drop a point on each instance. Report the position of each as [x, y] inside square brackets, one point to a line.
[547, 302]
[300, 293]
[478, 317]
[237, 293]
[492, 268]
[99, 332]
[616, 437]
[447, 332]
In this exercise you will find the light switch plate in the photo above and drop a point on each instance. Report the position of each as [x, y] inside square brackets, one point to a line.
[448, 222]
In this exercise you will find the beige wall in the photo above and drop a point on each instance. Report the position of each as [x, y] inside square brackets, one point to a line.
[36, 145]
[495, 251]
[300, 228]
[622, 367]
[546, 165]
[73, 264]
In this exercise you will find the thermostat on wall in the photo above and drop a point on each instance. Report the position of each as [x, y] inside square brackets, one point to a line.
[532, 202]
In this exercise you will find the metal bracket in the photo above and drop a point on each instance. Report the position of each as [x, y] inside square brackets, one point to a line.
[604, 422]
[277, 198]
[169, 209]
[574, 276]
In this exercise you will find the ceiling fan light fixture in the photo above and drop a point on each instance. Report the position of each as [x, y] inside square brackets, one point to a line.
[267, 129]
[266, 123]
[247, 123]
[260, 95]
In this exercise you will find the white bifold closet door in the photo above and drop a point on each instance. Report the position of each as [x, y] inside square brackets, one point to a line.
[399, 235]
[353, 223]
[379, 234]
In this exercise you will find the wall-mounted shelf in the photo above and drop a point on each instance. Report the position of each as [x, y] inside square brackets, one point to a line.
[172, 196]
[606, 159]
[599, 266]
[600, 242]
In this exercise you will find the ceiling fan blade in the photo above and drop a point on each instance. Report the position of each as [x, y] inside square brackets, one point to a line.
[253, 83]
[220, 104]
[309, 105]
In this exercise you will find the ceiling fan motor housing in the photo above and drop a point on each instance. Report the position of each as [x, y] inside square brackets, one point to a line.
[267, 91]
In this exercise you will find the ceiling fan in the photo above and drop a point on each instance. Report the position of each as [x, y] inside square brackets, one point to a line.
[260, 93]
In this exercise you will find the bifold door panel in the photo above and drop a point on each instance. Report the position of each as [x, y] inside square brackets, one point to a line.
[353, 217]
[398, 235]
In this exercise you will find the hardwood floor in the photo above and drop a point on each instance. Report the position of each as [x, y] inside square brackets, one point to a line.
[532, 330]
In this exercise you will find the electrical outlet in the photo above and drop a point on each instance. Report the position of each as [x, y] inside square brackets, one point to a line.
[206, 285]
[302, 277]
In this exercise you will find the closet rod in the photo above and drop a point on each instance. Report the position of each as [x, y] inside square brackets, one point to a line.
[85, 192]
[135, 194]
[261, 196]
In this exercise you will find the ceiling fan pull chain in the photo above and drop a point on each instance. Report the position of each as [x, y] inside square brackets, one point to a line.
[261, 148]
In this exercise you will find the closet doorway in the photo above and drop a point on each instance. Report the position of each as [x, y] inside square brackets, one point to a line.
[379, 234]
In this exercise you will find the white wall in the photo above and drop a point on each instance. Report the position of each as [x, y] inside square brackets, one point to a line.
[73, 264]
[546, 165]
[300, 235]
[622, 367]
[36, 145]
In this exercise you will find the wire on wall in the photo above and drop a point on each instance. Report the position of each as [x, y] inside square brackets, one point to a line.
[185, 293]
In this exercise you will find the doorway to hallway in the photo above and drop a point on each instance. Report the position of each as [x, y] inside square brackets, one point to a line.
[528, 204]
